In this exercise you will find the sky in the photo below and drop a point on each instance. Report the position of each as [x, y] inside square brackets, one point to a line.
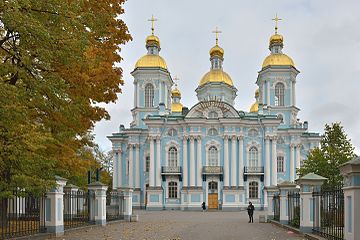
[322, 37]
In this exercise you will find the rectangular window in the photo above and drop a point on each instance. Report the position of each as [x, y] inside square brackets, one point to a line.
[147, 164]
[280, 164]
[253, 190]
[172, 189]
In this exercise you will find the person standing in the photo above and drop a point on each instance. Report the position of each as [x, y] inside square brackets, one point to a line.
[203, 206]
[250, 210]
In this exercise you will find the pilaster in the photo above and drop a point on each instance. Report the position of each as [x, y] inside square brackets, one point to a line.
[267, 161]
[233, 161]
[199, 163]
[98, 202]
[226, 161]
[185, 162]
[274, 161]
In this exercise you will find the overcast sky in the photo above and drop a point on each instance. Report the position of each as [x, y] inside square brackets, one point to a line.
[322, 37]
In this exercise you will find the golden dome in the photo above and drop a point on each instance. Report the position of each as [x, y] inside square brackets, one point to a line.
[278, 59]
[216, 51]
[152, 39]
[257, 93]
[176, 107]
[151, 61]
[276, 38]
[216, 76]
[254, 107]
[175, 92]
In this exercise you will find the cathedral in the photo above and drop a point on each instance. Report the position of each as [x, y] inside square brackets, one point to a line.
[176, 157]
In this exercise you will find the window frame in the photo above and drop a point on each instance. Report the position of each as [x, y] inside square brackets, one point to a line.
[280, 159]
[253, 157]
[213, 156]
[280, 94]
[149, 95]
[172, 190]
[172, 156]
[253, 190]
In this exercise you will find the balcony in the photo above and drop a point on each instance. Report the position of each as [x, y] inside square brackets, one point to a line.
[212, 170]
[171, 170]
[253, 170]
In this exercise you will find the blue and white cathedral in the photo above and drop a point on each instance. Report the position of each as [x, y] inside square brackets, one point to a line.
[174, 157]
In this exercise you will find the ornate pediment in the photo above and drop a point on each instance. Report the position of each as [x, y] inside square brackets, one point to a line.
[212, 109]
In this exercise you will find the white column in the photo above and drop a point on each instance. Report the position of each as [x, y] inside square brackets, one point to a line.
[268, 92]
[292, 166]
[138, 94]
[226, 162]
[185, 165]
[293, 93]
[152, 164]
[131, 166]
[192, 162]
[263, 93]
[160, 92]
[115, 169]
[135, 93]
[137, 166]
[166, 96]
[274, 161]
[120, 169]
[158, 164]
[199, 163]
[241, 160]
[298, 147]
[233, 161]
[267, 161]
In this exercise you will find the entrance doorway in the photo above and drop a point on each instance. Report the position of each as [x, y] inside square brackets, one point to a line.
[213, 195]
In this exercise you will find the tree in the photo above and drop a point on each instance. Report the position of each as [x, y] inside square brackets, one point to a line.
[335, 150]
[57, 63]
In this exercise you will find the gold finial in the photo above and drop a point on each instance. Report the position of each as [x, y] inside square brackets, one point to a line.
[217, 31]
[152, 20]
[276, 19]
[176, 79]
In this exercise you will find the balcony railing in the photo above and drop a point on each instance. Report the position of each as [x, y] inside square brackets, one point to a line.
[212, 170]
[171, 170]
[253, 170]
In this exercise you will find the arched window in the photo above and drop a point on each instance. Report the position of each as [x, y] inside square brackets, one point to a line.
[253, 157]
[213, 114]
[172, 188]
[280, 164]
[149, 95]
[253, 190]
[212, 132]
[213, 156]
[172, 153]
[279, 94]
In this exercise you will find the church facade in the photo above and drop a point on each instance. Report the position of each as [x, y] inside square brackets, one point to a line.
[174, 157]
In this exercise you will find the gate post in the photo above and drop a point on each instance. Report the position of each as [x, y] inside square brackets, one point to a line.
[351, 174]
[54, 208]
[127, 193]
[97, 202]
[271, 190]
[309, 183]
[285, 188]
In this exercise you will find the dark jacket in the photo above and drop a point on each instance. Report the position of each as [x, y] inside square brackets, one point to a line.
[250, 209]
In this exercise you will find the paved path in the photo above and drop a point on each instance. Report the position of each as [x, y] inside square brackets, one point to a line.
[179, 225]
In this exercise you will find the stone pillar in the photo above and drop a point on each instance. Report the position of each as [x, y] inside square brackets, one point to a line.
[351, 174]
[98, 202]
[54, 208]
[127, 203]
[192, 162]
[292, 165]
[152, 163]
[160, 93]
[267, 161]
[298, 147]
[137, 166]
[138, 94]
[271, 191]
[233, 161]
[131, 167]
[199, 163]
[285, 188]
[158, 163]
[268, 92]
[274, 161]
[309, 183]
[293, 93]
[185, 163]
[116, 172]
[226, 161]
[241, 160]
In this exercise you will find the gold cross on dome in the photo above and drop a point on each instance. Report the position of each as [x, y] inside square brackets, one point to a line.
[152, 20]
[276, 19]
[176, 79]
[216, 31]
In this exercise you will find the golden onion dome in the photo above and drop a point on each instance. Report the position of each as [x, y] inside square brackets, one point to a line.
[216, 76]
[278, 59]
[175, 92]
[254, 107]
[276, 39]
[152, 40]
[216, 51]
[176, 107]
[151, 61]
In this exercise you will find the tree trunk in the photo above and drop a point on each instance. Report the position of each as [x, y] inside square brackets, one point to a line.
[3, 213]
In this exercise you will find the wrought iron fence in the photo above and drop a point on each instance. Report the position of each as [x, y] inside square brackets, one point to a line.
[76, 209]
[328, 214]
[276, 202]
[114, 206]
[21, 215]
[294, 209]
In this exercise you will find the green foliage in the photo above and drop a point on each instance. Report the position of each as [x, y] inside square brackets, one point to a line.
[335, 150]
[57, 62]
